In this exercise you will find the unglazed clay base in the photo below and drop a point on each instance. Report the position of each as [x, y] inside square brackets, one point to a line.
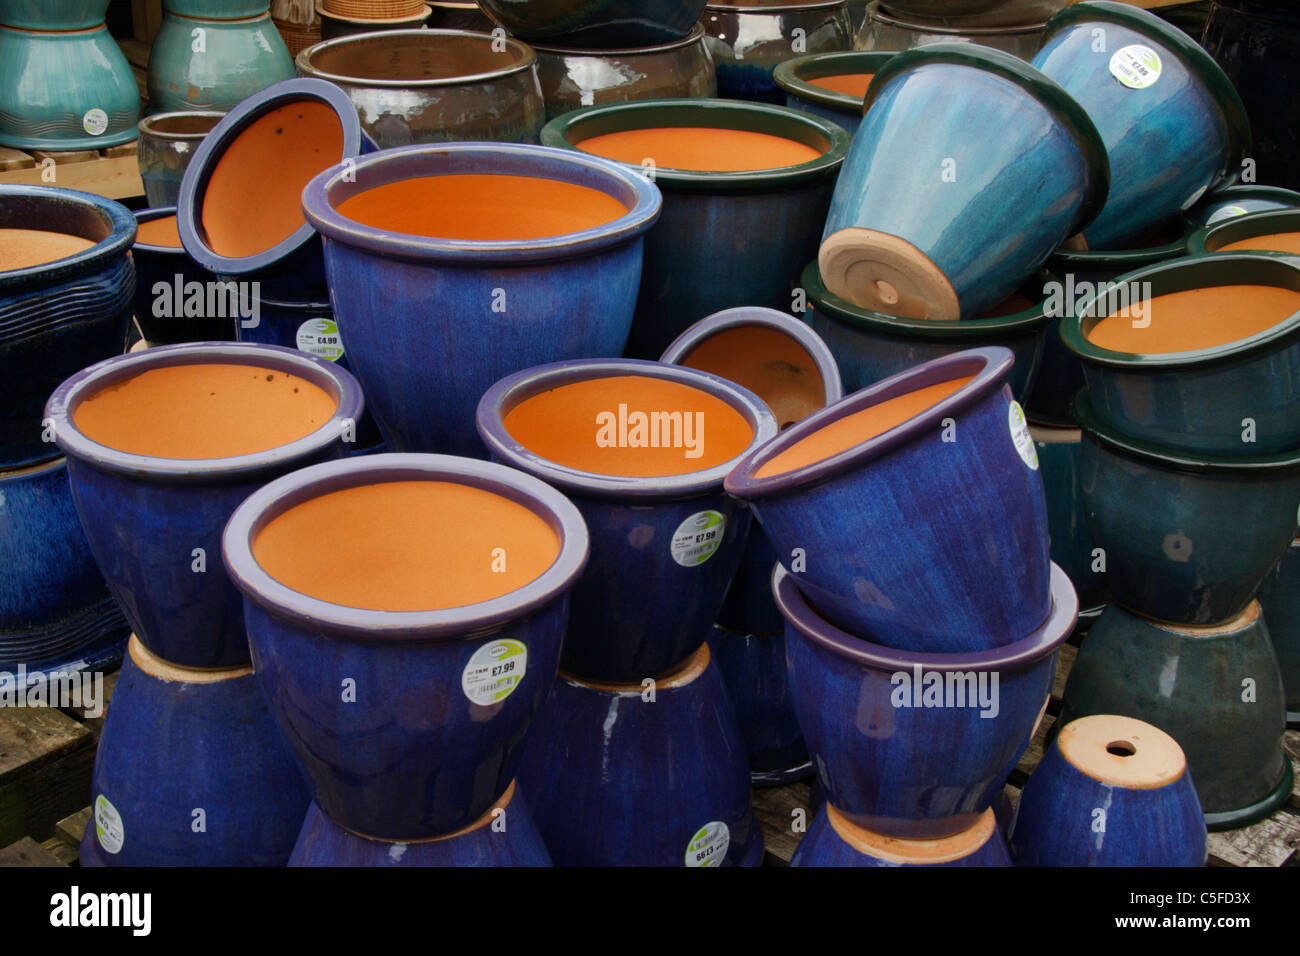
[915, 852]
[884, 273]
[156, 667]
[1231, 626]
[1122, 752]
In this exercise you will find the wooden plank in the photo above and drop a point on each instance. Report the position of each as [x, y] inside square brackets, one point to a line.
[95, 724]
[62, 850]
[117, 177]
[1033, 753]
[777, 811]
[27, 852]
[121, 149]
[46, 760]
[64, 157]
[146, 18]
[72, 827]
[136, 53]
[1273, 841]
[15, 159]
[1292, 744]
[1064, 661]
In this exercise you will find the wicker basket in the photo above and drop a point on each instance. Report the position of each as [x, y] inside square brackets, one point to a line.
[298, 37]
[375, 9]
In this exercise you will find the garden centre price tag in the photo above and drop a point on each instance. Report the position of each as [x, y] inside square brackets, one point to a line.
[494, 671]
[108, 825]
[1136, 66]
[709, 845]
[95, 121]
[697, 538]
[1020, 435]
[320, 337]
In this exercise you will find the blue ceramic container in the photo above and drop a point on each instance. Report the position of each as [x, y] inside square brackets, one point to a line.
[834, 840]
[218, 9]
[191, 771]
[1059, 452]
[870, 530]
[421, 750]
[648, 597]
[53, 14]
[504, 836]
[890, 761]
[167, 144]
[947, 226]
[60, 316]
[172, 300]
[596, 23]
[154, 524]
[1280, 595]
[1239, 200]
[643, 774]
[747, 40]
[1110, 791]
[1244, 227]
[795, 76]
[503, 305]
[207, 64]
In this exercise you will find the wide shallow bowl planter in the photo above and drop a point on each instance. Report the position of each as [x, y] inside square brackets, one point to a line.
[201, 64]
[1249, 228]
[910, 744]
[1239, 200]
[428, 743]
[334, 26]
[797, 78]
[1215, 690]
[715, 245]
[568, 296]
[886, 31]
[182, 748]
[1059, 452]
[652, 590]
[1110, 791]
[504, 835]
[53, 14]
[154, 524]
[1280, 596]
[1173, 125]
[172, 303]
[434, 86]
[168, 142]
[869, 529]
[748, 39]
[596, 23]
[642, 774]
[835, 840]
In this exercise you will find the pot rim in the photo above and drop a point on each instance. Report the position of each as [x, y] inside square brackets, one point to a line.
[514, 389]
[149, 215]
[120, 238]
[792, 7]
[217, 21]
[527, 59]
[800, 615]
[1124, 259]
[790, 75]
[695, 36]
[1237, 228]
[959, 30]
[339, 622]
[988, 364]
[146, 127]
[76, 445]
[1226, 194]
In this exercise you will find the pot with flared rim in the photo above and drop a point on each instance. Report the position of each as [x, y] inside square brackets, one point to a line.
[747, 40]
[1251, 232]
[798, 78]
[1241, 199]
[167, 144]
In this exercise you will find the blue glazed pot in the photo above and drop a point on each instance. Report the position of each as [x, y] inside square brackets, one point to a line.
[566, 297]
[1059, 452]
[205, 64]
[834, 840]
[1239, 200]
[168, 285]
[871, 527]
[644, 604]
[418, 752]
[53, 14]
[1110, 791]
[887, 760]
[1280, 596]
[747, 41]
[1215, 690]
[504, 836]
[182, 748]
[218, 9]
[640, 775]
[145, 517]
[795, 76]
[596, 23]
[167, 144]
[1242, 227]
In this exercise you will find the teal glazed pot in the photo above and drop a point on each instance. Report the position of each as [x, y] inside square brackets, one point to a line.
[1187, 538]
[795, 78]
[214, 64]
[835, 840]
[1215, 690]
[716, 245]
[1059, 453]
[596, 23]
[217, 9]
[1280, 597]
[53, 14]
[1239, 228]
[889, 31]
[1173, 125]
[1239, 200]
[168, 142]
[68, 90]
[1197, 401]
[947, 227]
[748, 39]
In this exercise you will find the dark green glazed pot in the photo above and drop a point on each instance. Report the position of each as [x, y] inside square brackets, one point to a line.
[1280, 597]
[1238, 228]
[1215, 690]
[795, 78]
[1240, 200]
[1067, 520]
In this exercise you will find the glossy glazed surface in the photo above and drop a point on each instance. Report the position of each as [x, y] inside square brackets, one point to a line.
[833, 840]
[747, 42]
[597, 23]
[169, 309]
[235, 59]
[1280, 597]
[167, 144]
[1067, 518]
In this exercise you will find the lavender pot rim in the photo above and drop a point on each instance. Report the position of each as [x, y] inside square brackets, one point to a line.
[62, 404]
[526, 59]
[121, 225]
[695, 36]
[514, 389]
[467, 622]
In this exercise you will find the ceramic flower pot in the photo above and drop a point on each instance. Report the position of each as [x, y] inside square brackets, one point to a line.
[62, 313]
[916, 745]
[53, 14]
[715, 246]
[482, 87]
[202, 64]
[977, 12]
[889, 30]
[1215, 690]
[1269, 231]
[507, 303]
[333, 26]
[1239, 200]
[835, 840]
[171, 302]
[666, 539]
[748, 39]
[857, 499]
[1187, 538]
[596, 23]
[408, 718]
[504, 836]
[167, 144]
[1059, 451]
[218, 9]
[654, 774]
[459, 15]
[1110, 791]
[1280, 596]
[1173, 125]
[191, 771]
[153, 516]
[828, 84]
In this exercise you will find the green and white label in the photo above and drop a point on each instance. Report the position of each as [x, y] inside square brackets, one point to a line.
[108, 825]
[320, 337]
[1020, 435]
[95, 121]
[709, 845]
[1136, 66]
[494, 671]
[697, 538]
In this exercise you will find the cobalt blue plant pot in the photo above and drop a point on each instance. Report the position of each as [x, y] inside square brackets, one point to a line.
[869, 530]
[795, 77]
[1247, 232]
[174, 301]
[191, 771]
[425, 744]
[1059, 452]
[1239, 200]
[596, 23]
[1110, 791]
[504, 305]
[909, 744]
[946, 226]
[651, 592]
[154, 524]
[834, 840]
[747, 41]
[60, 316]
[1280, 596]
[642, 774]
[504, 836]
[1172, 123]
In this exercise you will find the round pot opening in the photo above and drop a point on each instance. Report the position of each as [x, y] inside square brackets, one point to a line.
[180, 125]
[405, 59]
[36, 222]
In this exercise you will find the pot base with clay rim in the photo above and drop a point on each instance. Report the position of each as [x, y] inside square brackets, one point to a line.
[835, 840]
[884, 273]
[1280, 597]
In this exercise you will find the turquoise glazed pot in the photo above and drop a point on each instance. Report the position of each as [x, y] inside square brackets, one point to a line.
[795, 76]
[70, 90]
[214, 64]
[217, 9]
[947, 227]
[596, 23]
[1238, 228]
[53, 14]
[168, 142]
[834, 840]
[716, 245]
[1239, 200]
[1173, 125]
[1215, 690]
[171, 294]
[748, 39]
[1110, 791]
[1280, 596]
[1188, 538]
[1059, 452]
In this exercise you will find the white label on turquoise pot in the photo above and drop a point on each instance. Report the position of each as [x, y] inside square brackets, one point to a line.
[697, 538]
[1020, 436]
[320, 337]
[95, 121]
[1136, 66]
[108, 825]
[1227, 212]
[494, 671]
[709, 845]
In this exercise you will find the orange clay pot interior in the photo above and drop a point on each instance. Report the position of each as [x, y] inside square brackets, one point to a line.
[702, 148]
[1273, 242]
[23, 248]
[159, 232]
[769, 363]
[1194, 319]
[853, 84]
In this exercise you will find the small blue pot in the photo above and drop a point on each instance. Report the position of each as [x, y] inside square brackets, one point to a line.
[1110, 791]
[1059, 451]
[1280, 595]
[415, 754]
[165, 279]
[834, 840]
[794, 76]
[872, 526]
[642, 774]
[947, 226]
[209, 64]
[1239, 227]
[1239, 200]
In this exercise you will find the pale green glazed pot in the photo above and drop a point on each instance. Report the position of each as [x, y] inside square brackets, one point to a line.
[213, 64]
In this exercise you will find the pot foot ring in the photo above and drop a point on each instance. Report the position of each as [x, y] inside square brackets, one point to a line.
[884, 273]
[1243, 816]
[779, 778]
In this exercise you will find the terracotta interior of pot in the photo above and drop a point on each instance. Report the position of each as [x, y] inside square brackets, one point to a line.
[700, 148]
[1191, 319]
[65, 229]
[1122, 751]
[23, 248]
[1269, 242]
[416, 59]
[850, 84]
[768, 362]
[915, 852]
[181, 124]
[159, 232]
[630, 426]
[203, 410]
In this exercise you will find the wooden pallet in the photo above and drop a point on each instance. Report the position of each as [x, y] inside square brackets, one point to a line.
[111, 172]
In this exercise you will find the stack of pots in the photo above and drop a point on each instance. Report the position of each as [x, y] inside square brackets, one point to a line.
[1013, 26]
[341, 18]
